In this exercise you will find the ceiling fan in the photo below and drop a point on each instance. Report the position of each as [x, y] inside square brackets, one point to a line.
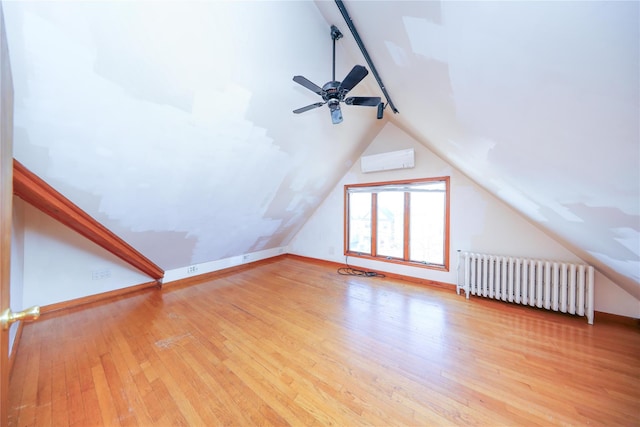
[334, 92]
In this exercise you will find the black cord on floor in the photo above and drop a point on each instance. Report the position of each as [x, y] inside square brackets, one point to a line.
[350, 271]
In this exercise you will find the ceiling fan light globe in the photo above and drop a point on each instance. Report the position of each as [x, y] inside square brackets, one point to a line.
[336, 116]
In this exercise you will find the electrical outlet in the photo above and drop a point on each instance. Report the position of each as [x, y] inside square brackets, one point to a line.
[245, 258]
[192, 269]
[105, 273]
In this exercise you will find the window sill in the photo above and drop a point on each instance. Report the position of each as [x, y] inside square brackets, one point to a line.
[437, 267]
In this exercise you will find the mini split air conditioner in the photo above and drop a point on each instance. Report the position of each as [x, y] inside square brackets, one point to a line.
[403, 159]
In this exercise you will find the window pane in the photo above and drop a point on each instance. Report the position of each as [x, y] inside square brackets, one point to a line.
[390, 232]
[426, 235]
[360, 223]
[430, 186]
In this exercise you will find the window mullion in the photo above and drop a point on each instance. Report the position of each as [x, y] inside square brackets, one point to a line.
[347, 227]
[407, 225]
[374, 224]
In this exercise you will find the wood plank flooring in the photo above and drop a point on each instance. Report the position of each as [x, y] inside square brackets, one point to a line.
[293, 343]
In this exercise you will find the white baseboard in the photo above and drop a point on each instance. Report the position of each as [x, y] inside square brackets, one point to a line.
[221, 264]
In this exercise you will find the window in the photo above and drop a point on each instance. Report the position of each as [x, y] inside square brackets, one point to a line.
[405, 222]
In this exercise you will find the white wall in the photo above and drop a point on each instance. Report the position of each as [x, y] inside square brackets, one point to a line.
[60, 264]
[479, 222]
[611, 298]
[16, 288]
[51, 263]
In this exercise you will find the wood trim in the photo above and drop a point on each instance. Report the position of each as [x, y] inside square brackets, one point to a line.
[447, 224]
[42, 196]
[398, 261]
[417, 280]
[601, 316]
[316, 261]
[14, 349]
[66, 305]
[400, 181]
[345, 222]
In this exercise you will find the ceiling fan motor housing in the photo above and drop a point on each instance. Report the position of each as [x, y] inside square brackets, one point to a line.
[331, 90]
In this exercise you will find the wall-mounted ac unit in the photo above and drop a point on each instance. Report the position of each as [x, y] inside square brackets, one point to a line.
[403, 159]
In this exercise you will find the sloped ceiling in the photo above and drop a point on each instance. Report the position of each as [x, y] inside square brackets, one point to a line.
[171, 123]
[538, 102]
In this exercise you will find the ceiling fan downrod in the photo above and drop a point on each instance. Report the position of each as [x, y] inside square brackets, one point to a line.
[335, 35]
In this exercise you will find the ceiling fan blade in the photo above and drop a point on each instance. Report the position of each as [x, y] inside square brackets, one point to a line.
[308, 107]
[308, 84]
[354, 77]
[367, 101]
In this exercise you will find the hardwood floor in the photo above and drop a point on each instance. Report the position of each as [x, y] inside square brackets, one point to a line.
[293, 343]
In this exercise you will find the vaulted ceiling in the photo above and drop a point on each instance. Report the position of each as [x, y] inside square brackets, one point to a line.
[171, 122]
